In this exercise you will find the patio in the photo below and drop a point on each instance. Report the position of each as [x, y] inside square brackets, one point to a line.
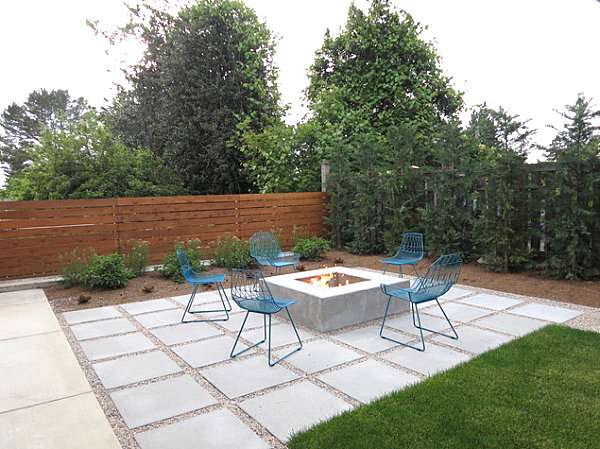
[164, 384]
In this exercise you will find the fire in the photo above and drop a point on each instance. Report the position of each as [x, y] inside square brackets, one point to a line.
[322, 280]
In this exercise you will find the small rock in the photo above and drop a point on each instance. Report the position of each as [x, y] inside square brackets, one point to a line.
[148, 288]
[83, 298]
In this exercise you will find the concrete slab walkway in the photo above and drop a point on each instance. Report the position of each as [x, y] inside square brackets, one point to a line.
[46, 401]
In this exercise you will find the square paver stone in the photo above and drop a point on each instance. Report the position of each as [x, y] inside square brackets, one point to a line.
[319, 355]
[434, 359]
[102, 328]
[115, 346]
[458, 312]
[95, 314]
[404, 323]
[294, 408]
[455, 293]
[201, 298]
[510, 324]
[368, 339]
[129, 370]
[281, 334]
[207, 352]
[160, 400]
[154, 305]
[235, 321]
[247, 376]
[489, 301]
[163, 318]
[368, 380]
[182, 333]
[474, 340]
[215, 430]
[547, 313]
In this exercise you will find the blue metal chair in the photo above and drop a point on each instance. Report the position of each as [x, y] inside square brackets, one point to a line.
[410, 252]
[265, 249]
[440, 277]
[196, 280]
[250, 291]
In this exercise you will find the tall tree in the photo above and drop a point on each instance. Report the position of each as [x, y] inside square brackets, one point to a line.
[501, 227]
[574, 202]
[22, 125]
[205, 70]
[379, 73]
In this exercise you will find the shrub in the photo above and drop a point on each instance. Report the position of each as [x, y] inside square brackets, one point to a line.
[105, 272]
[137, 257]
[311, 248]
[172, 270]
[73, 264]
[232, 253]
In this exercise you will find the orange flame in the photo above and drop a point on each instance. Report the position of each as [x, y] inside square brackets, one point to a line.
[322, 280]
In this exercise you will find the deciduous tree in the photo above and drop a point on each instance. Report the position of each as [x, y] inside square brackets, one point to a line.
[22, 125]
[205, 70]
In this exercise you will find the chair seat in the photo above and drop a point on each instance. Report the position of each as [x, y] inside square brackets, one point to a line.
[197, 279]
[265, 305]
[282, 260]
[401, 261]
[284, 263]
[412, 295]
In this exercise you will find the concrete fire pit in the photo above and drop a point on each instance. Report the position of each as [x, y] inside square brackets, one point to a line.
[332, 298]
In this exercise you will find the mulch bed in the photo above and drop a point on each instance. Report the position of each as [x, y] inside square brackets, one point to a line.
[529, 284]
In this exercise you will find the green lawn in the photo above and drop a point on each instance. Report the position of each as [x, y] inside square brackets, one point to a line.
[540, 391]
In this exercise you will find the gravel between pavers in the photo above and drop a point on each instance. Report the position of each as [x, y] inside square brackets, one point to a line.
[589, 320]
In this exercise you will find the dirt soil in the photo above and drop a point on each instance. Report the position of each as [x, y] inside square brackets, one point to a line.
[577, 292]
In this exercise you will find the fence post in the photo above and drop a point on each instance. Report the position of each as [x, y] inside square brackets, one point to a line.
[116, 235]
[324, 175]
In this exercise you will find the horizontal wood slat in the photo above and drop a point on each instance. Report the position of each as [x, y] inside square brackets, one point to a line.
[33, 234]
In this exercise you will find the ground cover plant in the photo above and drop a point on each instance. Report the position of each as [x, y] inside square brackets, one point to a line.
[541, 391]
[106, 272]
[232, 253]
[311, 248]
[171, 268]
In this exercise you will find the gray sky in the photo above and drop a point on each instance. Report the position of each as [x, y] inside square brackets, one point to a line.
[530, 56]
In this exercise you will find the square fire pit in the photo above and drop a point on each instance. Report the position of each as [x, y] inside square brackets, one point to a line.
[332, 298]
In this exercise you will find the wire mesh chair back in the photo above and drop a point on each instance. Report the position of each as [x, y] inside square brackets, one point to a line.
[184, 263]
[249, 286]
[440, 276]
[411, 245]
[264, 245]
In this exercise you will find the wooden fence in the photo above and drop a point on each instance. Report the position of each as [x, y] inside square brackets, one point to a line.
[33, 234]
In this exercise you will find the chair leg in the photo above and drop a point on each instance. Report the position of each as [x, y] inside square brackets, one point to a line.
[225, 309]
[415, 270]
[233, 354]
[453, 337]
[223, 293]
[387, 307]
[400, 271]
[275, 362]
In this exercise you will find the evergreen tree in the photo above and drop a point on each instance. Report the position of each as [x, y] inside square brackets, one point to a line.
[501, 228]
[572, 221]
